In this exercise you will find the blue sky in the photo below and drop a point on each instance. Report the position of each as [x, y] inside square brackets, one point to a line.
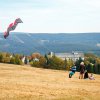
[51, 16]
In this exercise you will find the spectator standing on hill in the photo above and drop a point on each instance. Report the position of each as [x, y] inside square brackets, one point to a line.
[82, 69]
[25, 61]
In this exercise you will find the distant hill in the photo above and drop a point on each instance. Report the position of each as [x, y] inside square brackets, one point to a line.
[27, 43]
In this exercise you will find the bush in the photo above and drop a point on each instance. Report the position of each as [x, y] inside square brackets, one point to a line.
[1, 57]
[16, 60]
[42, 61]
[56, 63]
[69, 64]
[6, 60]
[90, 68]
[12, 60]
[35, 64]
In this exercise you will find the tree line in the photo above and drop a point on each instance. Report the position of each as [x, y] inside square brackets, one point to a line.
[92, 62]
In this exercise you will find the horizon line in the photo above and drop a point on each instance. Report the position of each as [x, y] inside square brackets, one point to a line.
[54, 32]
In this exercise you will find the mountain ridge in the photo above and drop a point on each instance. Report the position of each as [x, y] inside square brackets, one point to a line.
[27, 43]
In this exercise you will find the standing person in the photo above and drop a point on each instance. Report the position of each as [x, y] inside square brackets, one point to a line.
[82, 69]
[25, 61]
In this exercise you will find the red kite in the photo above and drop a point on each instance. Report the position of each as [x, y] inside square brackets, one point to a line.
[12, 27]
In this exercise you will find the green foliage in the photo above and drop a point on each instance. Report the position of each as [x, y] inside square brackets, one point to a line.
[92, 63]
[98, 68]
[69, 64]
[4, 57]
[65, 64]
[42, 61]
[90, 68]
[35, 64]
[56, 63]
[8, 54]
[6, 60]
[1, 57]
[12, 60]
[17, 60]
[90, 55]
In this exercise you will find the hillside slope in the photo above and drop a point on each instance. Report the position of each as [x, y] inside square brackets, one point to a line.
[27, 83]
[43, 43]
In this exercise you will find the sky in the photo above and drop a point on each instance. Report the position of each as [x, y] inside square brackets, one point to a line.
[51, 16]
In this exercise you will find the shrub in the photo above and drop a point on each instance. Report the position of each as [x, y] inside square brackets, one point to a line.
[42, 61]
[1, 57]
[18, 61]
[12, 60]
[35, 64]
[6, 60]
[56, 63]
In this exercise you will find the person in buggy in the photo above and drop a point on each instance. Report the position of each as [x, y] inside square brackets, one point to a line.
[72, 71]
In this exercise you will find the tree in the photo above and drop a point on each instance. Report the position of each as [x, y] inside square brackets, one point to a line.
[18, 60]
[69, 64]
[65, 64]
[1, 57]
[35, 64]
[42, 61]
[8, 54]
[12, 60]
[56, 63]
[6, 60]
[35, 55]
[98, 68]
[90, 68]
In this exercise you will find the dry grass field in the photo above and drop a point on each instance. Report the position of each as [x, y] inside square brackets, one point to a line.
[27, 83]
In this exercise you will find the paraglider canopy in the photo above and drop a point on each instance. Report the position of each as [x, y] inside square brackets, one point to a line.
[12, 27]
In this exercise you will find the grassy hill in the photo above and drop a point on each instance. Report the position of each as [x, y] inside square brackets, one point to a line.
[27, 83]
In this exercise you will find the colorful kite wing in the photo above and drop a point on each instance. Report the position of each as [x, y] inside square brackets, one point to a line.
[6, 34]
[18, 20]
[12, 27]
